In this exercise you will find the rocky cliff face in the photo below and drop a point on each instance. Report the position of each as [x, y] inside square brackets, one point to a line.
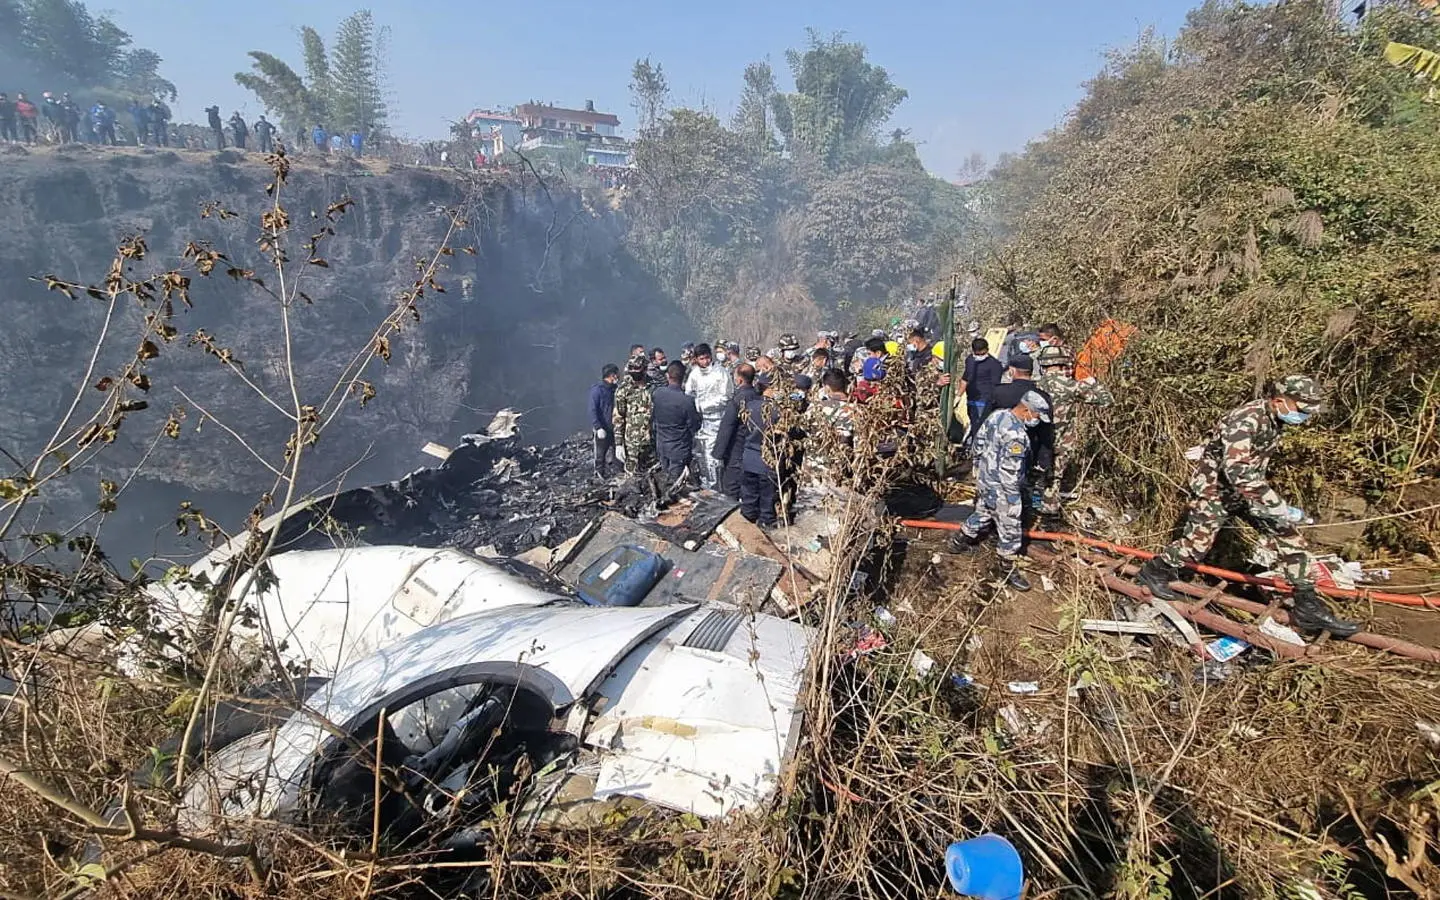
[548, 297]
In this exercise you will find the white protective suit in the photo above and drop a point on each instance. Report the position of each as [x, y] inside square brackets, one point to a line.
[711, 387]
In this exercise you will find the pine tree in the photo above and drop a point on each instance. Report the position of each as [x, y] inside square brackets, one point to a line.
[356, 94]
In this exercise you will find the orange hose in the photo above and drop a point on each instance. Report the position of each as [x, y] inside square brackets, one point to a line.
[1413, 600]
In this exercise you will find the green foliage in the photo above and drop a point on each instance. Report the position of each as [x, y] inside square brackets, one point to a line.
[840, 102]
[343, 90]
[62, 46]
[357, 97]
[752, 239]
[649, 90]
[1258, 199]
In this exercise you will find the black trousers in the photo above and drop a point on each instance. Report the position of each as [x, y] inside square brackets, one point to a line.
[757, 498]
[605, 453]
[731, 477]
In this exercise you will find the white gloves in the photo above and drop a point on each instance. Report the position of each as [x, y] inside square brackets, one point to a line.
[599, 434]
[620, 453]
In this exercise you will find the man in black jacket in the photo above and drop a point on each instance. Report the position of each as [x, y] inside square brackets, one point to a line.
[677, 420]
[730, 441]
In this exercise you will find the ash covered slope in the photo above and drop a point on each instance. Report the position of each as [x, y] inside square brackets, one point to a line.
[526, 322]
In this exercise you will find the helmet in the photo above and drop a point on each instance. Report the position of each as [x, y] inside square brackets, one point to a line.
[1301, 388]
[788, 342]
[752, 353]
[937, 350]
[1051, 357]
[636, 365]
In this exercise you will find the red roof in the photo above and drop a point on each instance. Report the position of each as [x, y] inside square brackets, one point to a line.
[541, 111]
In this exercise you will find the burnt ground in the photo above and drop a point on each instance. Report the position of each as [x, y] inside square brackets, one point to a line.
[490, 493]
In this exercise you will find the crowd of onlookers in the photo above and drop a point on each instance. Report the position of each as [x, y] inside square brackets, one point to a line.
[59, 119]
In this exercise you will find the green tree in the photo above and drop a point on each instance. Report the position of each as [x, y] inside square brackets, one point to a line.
[139, 76]
[357, 96]
[283, 93]
[753, 117]
[840, 102]
[697, 208]
[343, 90]
[649, 92]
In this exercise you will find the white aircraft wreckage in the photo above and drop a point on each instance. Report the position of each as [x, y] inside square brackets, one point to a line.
[630, 665]
[483, 689]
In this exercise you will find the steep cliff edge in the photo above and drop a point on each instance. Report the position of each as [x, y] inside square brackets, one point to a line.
[548, 296]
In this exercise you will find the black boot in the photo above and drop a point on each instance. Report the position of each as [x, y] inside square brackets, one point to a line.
[1015, 577]
[1310, 614]
[1156, 576]
[963, 543]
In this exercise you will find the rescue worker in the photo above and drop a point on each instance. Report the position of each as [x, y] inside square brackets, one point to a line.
[917, 351]
[730, 439]
[791, 357]
[830, 423]
[710, 386]
[759, 484]
[819, 365]
[677, 421]
[103, 120]
[981, 377]
[752, 354]
[1230, 482]
[1001, 449]
[1057, 380]
[634, 428]
[655, 372]
[602, 418]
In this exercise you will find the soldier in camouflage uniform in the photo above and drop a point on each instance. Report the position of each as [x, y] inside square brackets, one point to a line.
[790, 359]
[1057, 380]
[1001, 449]
[1230, 482]
[634, 431]
[752, 353]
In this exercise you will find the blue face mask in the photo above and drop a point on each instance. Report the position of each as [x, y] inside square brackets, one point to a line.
[1294, 417]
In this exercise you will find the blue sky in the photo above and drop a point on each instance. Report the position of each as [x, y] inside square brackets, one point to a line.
[983, 76]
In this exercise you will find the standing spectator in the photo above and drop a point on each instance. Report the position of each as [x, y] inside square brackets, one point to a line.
[140, 117]
[212, 114]
[356, 142]
[264, 135]
[321, 139]
[337, 144]
[50, 113]
[239, 131]
[28, 116]
[69, 119]
[7, 119]
[103, 118]
[160, 122]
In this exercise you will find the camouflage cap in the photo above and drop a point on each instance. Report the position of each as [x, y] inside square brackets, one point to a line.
[636, 365]
[1301, 388]
[1037, 405]
[1054, 356]
[752, 353]
[788, 342]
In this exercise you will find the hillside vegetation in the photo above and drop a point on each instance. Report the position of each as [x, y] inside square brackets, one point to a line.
[1259, 197]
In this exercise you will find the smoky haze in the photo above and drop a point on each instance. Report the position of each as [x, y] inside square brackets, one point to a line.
[525, 322]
